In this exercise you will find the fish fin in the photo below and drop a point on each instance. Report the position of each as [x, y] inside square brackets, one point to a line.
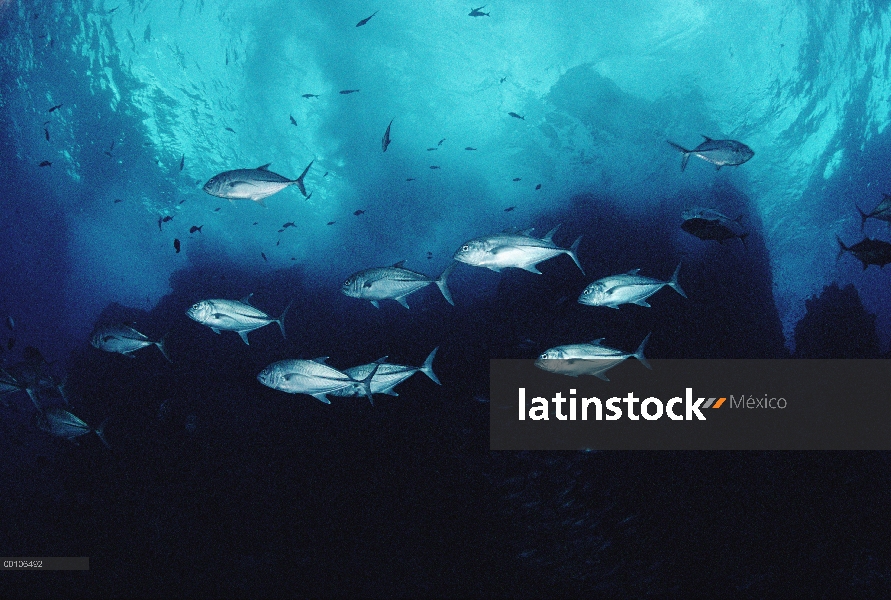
[596, 342]
[441, 283]
[742, 238]
[321, 398]
[549, 236]
[616, 306]
[707, 138]
[633, 272]
[129, 354]
[162, 348]
[399, 265]
[366, 383]
[375, 304]
[531, 269]
[215, 330]
[673, 282]
[601, 376]
[525, 231]
[247, 299]
[100, 431]
[643, 303]
[863, 217]
[496, 269]
[299, 180]
[685, 152]
[264, 167]
[321, 359]
[573, 253]
[261, 202]
[639, 355]
[243, 335]
[281, 319]
[427, 367]
[390, 392]
[401, 300]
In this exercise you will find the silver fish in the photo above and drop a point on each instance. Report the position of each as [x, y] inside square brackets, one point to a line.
[61, 423]
[720, 153]
[629, 288]
[232, 315]
[395, 283]
[520, 250]
[312, 377]
[123, 340]
[252, 184]
[387, 376]
[587, 359]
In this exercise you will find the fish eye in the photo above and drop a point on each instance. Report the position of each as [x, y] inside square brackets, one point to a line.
[586, 292]
[465, 248]
[545, 355]
[348, 281]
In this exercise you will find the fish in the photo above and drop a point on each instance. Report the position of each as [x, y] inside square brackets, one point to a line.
[56, 107]
[61, 423]
[359, 212]
[587, 359]
[516, 116]
[441, 141]
[882, 211]
[123, 339]
[218, 209]
[310, 95]
[344, 92]
[293, 122]
[331, 222]
[502, 80]
[410, 179]
[46, 163]
[868, 251]
[264, 256]
[475, 12]
[517, 178]
[386, 140]
[46, 133]
[182, 162]
[523, 251]
[720, 153]
[629, 288]
[387, 376]
[252, 184]
[509, 208]
[116, 200]
[311, 377]
[706, 229]
[325, 175]
[230, 129]
[10, 323]
[394, 283]
[195, 228]
[176, 245]
[538, 187]
[289, 224]
[434, 167]
[469, 148]
[432, 149]
[232, 315]
[366, 19]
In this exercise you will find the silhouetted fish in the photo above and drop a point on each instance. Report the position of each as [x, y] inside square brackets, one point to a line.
[195, 228]
[509, 208]
[516, 179]
[264, 257]
[331, 222]
[365, 20]
[359, 212]
[386, 140]
[516, 116]
[10, 323]
[430, 149]
[538, 187]
[182, 162]
[123, 339]
[57, 106]
[164, 219]
[348, 91]
[46, 133]
[288, 224]
[475, 12]
[176, 245]
[868, 251]
[219, 208]
[718, 229]
[46, 163]
[293, 122]
[469, 148]
[230, 129]
[441, 141]
[434, 167]
[718, 152]
[410, 179]
[310, 95]
[116, 200]
[882, 211]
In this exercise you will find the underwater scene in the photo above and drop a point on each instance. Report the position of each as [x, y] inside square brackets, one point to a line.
[257, 256]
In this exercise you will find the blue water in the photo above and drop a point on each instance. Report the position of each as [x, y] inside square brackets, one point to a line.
[255, 488]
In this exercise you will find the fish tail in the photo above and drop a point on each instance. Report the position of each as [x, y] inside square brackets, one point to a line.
[281, 319]
[639, 355]
[572, 251]
[441, 283]
[863, 217]
[841, 248]
[685, 152]
[100, 431]
[366, 383]
[299, 180]
[427, 367]
[162, 347]
[32, 393]
[742, 238]
[673, 283]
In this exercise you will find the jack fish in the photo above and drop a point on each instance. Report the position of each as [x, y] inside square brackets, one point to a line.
[123, 340]
[708, 224]
[629, 288]
[312, 377]
[503, 250]
[587, 359]
[232, 315]
[387, 376]
[868, 251]
[61, 423]
[720, 153]
[394, 283]
[252, 184]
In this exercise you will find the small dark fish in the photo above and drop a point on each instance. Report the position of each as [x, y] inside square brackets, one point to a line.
[325, 175]
[195, 228]
[288, 224]
[45, 163]
[10, 323]
[106, 152]
[516, 116]
[230, 129]
[311, 95]
[218, 209]
[509, 208]
[434, 167]
[280, 230]
[516, 179]
[57, 106]
[475, 12]
[469, 148]
[293, 258]
[441, 141]
[348, 91]
[868, 251]
[116, 200]
[182, 162]
[365, 20]
[183, 200]
[386, 139]
[359, 212]
[329, 223]
[10, 344]
[410, 179]
[264, 257]
[431, 149]
[110, 148]
[713, 229]
[502, 80]
[176, 245]
[46, 133]
[112, 10]
[167, 219]
[538, 187]
[293, 122]
[278, 242]
[255, 222]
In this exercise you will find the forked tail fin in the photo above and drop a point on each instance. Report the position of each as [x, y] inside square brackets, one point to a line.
[299, 180]
[639, 355]
[685, 152]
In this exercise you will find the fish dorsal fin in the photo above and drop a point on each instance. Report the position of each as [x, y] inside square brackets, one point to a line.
[247, 299]
[266, 166]
[399, 265]
[321, 359]
[527, 231]
[549, 236]
[382, 359]
[632, 272]
[707, 138]
[597, 341]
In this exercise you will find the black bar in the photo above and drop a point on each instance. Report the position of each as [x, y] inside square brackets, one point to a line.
[53, 563]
